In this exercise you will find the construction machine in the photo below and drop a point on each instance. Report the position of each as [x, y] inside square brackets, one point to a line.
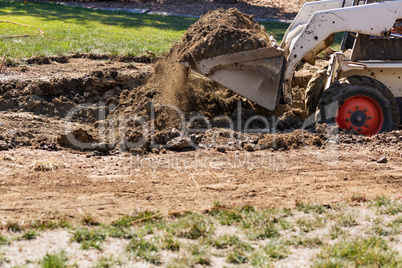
[361, 88]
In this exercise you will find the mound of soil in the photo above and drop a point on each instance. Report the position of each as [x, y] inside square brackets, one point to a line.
[218, 32]
[109, 92]
[221, 32]
[57, 96]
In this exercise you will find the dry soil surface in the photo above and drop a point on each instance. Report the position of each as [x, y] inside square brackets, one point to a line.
[109, 186]
[42, 179]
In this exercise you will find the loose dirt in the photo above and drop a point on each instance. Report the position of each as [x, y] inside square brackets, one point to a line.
[135, 156]
[259, 168]
[216, 33]
[107, 187]
[221, 32]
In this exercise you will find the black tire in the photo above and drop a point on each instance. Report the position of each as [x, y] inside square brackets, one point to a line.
[343, 90]
[314, 90]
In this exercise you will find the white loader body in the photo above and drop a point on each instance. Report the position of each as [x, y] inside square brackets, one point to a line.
[265, 75]
[317, 21]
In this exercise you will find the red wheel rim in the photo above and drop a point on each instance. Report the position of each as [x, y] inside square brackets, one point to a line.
[362, 114]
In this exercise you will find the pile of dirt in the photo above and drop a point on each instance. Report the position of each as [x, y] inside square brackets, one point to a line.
[157, 96]
[57, 97]
[221, 32]
[218, 32]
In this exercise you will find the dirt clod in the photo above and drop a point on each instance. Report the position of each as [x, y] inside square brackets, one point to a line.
[3, 146]
[179, 143]
[75, 137]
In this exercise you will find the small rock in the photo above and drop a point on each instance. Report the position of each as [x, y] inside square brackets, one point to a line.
[137, 151]
[382, 160]
[3, 146]
[148, 106]
[80, 135]
[103, 147]
[37, 98]
[48, 146]
[249, 147]
[98, 74]
[108, 94]
[31, 104]
[221, 148]
[121, 78]
[179, 143]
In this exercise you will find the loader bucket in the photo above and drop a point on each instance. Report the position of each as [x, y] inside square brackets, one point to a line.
[255, 74]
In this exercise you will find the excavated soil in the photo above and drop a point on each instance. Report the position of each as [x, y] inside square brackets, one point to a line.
[40, 178]
[218, 32]
[125, 115]
[222, 32]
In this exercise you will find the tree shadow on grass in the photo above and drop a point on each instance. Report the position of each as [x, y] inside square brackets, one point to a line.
[50, 12]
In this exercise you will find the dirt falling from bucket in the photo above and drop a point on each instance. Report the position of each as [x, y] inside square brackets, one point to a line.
[217, 32]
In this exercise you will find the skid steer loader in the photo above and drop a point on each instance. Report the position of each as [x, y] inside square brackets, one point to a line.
[359, 90]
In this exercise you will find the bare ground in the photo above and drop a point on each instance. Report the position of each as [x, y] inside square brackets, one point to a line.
[42, 179]
[110, 186]
[83, 182]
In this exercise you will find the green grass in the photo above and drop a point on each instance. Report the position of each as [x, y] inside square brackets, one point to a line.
[104, 262]
[308, 224]
[2, 258]
[58, 260]
[276, 250]
[302, 241]
[192, 226]
[385, 205]
[364, 252]
[14, 227]
[170, 243]
[127, 220]
[89, 238]
[4, 240]
[237, 256]
[397, 222]
[226, 217]
[263, 232]
[89, 220]
[310, 208]
[49, 224]
[120, 232]
[277, 29]
[226, 241]
[336, 232]
[72, 29]
[142, 249]
[196, 255]
[29, 235]
[200, 254]
[255, 238]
